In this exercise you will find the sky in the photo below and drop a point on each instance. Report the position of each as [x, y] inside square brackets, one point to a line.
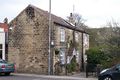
[96, 13]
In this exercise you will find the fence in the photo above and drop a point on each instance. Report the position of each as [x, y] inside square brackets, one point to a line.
[93, 69]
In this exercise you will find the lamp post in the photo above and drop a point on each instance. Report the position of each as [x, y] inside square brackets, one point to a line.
[49, 55]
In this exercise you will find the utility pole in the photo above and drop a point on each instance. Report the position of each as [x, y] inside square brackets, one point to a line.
[49, 55]
[82, 56]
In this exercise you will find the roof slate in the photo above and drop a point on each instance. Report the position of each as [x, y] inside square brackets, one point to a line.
[56, 19]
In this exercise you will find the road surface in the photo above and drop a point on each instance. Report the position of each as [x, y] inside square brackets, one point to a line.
[41, 77]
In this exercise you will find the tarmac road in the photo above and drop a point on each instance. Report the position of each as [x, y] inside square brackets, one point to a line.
[41, 77]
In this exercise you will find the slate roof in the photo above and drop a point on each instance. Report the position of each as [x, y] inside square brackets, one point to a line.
[56, 19]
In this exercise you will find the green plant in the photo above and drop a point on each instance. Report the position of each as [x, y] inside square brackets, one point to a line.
[96, 56]
[72, 66]
[56, 51]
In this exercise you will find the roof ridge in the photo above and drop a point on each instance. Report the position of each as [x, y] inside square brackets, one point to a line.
[56, 19]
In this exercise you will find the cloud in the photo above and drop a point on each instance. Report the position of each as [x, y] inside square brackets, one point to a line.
[96, 12]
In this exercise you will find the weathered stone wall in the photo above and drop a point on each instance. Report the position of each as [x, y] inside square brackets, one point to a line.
[66, 46]
[28, 43]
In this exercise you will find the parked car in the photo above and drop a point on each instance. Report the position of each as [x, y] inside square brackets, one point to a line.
[6, 67]
[110, 73]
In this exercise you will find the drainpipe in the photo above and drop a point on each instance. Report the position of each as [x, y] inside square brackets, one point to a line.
[82, 55]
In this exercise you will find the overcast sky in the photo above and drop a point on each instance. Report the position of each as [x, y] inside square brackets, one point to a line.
[96, 12]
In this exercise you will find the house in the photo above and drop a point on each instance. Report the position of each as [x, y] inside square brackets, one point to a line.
[29, 42]
[3, 40]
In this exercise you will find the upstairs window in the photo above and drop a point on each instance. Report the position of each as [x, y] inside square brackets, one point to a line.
[0, 46]
[1, 30]
[76, 37]
[62, 35]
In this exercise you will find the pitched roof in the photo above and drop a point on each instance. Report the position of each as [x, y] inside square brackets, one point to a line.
[56, 19]
[4, 26]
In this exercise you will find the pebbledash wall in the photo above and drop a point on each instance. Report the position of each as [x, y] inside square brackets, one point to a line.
[29, 40]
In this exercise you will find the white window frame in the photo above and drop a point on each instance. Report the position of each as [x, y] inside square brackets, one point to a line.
[1, 29]
[62, 56]
[76, 37]
[62, 35]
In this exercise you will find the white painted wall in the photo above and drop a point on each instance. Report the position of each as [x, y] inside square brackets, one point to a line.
[85, 45]
[2, 41]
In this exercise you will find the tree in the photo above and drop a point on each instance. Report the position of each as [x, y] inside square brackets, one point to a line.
[95, 56]
[107, 39]
[77, 20]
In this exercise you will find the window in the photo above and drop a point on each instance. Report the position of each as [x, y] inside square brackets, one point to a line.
[62, 56]
[62, 35]
[1, 29]
[76, 37]
[0, 46]
[118, 67]
[86, 39]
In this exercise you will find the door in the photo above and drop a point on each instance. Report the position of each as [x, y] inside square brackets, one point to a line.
[1, 52]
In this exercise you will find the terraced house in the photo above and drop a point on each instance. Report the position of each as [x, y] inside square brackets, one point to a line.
[29, 42]
[3, 40]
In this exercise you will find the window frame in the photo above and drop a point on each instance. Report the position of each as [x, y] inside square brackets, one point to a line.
[62, 56]
[1, 46]
[62, 35]
[76, 37]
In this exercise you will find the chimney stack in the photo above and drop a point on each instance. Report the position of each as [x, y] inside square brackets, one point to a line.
[71, 15]
[6, 20]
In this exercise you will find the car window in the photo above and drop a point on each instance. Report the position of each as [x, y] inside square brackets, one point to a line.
[118, 67]
[3, 61]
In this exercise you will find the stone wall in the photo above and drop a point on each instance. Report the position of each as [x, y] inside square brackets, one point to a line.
[28, 43]
[66, 45]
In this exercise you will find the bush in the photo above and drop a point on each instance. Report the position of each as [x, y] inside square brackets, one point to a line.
[96, 56]
[72, 66]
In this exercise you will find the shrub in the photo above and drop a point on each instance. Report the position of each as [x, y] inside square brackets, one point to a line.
[72, 66]
[96, 56]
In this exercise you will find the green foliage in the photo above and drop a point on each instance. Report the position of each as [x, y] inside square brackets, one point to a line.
[96, 56]
[107, 39]
[114, 44]
[72, 66]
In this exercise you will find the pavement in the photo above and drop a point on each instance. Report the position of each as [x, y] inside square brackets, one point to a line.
[80, 76]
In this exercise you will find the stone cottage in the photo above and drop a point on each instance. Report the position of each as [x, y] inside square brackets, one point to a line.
[29, 42]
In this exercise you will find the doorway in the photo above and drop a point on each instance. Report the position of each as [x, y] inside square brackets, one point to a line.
[1, 51]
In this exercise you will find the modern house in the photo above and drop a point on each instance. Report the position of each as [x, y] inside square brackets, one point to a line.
[3, 40]
[29, 42]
